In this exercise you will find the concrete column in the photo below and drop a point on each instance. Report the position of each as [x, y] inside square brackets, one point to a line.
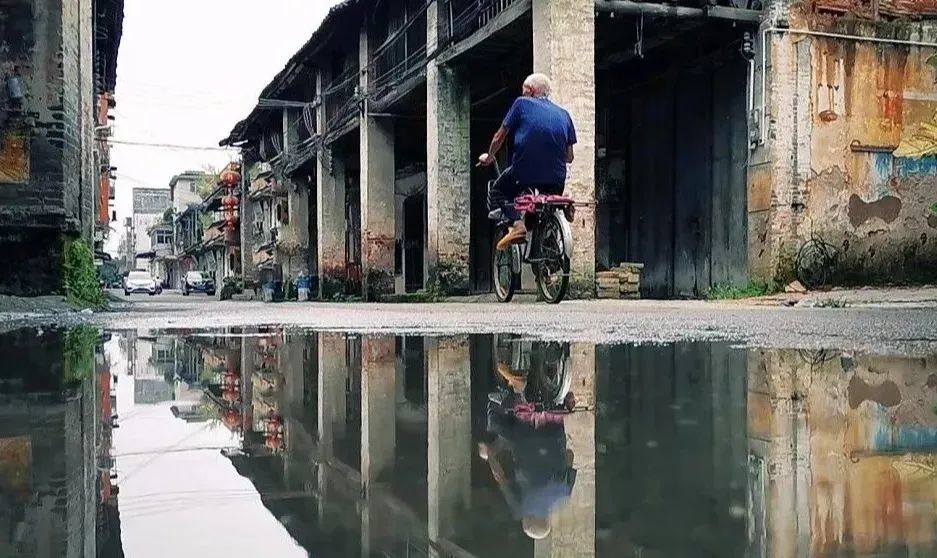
[564, 49]
[377, 192]
[297, 197]
[449, 444]
[246, 214]
[448, 164]
[378, 406]
[572, 525]
[330, 208]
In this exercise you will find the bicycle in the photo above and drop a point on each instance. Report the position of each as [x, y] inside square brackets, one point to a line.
[548, 247]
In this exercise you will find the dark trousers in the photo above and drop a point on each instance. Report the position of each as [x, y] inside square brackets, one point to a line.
[506, 188]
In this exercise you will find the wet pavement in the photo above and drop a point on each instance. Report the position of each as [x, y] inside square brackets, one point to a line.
[899, 331]
[291, 442]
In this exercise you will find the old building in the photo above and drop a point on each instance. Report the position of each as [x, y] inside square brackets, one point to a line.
[170, 263]
[719, 142]
[59, 71]
[150, 207]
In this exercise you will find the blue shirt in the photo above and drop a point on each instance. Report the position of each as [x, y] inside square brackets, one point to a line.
[542, 133]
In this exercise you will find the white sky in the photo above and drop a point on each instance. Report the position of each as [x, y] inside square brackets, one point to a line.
[187, 72]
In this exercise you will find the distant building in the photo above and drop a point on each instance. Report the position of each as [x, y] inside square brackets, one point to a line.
[184, 189]
[149, 207]
[181, 230]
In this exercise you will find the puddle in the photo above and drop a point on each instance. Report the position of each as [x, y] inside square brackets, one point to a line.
[285, 443]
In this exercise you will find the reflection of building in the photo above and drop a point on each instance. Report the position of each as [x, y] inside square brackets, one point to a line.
[154, 369]
[54, 447]
[844, 453]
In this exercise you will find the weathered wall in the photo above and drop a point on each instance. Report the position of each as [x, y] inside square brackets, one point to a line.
[847, 157]
[872, 173]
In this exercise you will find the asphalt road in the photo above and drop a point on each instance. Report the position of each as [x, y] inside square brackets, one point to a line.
[900, 330]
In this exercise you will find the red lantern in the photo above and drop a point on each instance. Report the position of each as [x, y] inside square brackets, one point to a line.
[274, 444]
[232, 419]
[230, 178]
[231, 394]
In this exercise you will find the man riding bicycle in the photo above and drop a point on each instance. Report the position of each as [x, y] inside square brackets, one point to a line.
[544, 136]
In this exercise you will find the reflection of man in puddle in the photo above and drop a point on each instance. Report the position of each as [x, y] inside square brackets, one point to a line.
[526, 450]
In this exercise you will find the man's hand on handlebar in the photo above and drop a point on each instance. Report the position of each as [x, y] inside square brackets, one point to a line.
[485, 160]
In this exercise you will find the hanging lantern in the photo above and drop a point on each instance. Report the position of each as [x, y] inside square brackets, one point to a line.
[231, 394]
[232, 419]
[230, 178]
[230, 378]
[275, 445]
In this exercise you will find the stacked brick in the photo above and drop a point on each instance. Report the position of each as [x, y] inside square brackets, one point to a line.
[622, 282]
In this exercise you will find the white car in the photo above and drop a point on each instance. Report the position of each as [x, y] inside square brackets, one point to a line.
[139, 282]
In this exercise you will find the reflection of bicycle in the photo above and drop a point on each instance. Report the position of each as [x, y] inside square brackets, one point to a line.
[548, 247]
[544, 389]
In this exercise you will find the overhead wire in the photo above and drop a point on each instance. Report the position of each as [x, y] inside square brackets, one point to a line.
[170, 146]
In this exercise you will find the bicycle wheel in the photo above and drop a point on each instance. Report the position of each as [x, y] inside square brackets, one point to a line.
[552, 272]
[505, 271]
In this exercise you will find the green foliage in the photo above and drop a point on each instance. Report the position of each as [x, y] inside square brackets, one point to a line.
[81, 280]
[78, 354]
[933, 208]
[206, 184]
[205, 220]
[735, 292]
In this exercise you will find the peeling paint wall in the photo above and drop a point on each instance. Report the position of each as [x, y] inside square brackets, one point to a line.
[862, 196]
[850, 154]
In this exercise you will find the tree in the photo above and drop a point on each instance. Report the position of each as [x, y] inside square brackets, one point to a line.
[206, 184]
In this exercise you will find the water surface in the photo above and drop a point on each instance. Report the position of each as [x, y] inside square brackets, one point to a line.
[274, 442]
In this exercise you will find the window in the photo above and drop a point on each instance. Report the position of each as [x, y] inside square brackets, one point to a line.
[163, 237]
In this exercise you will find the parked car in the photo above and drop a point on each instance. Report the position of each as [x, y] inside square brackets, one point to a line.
[195, 282]
[139, 282]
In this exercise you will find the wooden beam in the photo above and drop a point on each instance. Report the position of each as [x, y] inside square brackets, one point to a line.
[630, 7]
[400, 91]
[499, 22]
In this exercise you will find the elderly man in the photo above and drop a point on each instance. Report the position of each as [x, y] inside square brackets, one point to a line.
[544, 136]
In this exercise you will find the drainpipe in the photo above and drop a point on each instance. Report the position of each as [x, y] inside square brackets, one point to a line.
[808, 32]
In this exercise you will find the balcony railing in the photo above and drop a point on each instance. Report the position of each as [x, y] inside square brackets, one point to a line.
[401, 56]
[341, 101]
[462, 18]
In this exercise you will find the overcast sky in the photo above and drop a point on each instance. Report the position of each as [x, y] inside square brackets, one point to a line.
[188, 71]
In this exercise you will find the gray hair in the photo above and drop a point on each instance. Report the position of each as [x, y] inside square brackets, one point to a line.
[539, 84]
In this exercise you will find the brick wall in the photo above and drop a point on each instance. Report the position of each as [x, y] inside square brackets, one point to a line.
[47, 185]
